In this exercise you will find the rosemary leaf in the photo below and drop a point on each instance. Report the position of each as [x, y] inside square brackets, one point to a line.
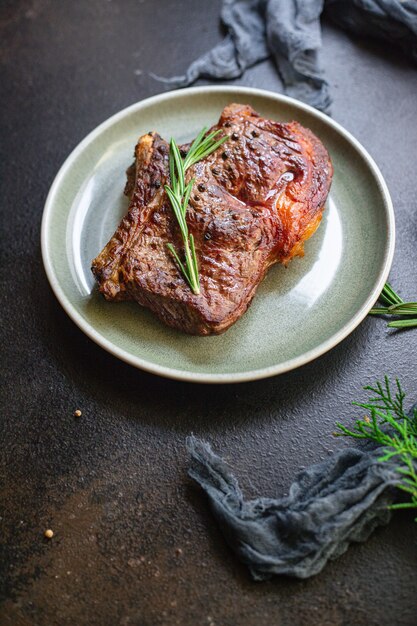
[176, 156]
[379, 310]
[403, 308]
[187, 195]
[403, 324]
[176, 257]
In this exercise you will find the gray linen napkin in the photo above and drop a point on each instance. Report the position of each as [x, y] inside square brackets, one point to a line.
[289, 32]
[331, 504]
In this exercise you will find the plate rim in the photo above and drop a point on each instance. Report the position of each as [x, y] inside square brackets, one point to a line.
[200, 377]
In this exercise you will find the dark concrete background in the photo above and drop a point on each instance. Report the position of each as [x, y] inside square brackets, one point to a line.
[134, 540]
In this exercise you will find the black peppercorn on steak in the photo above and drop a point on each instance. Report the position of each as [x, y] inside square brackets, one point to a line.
[254, 202]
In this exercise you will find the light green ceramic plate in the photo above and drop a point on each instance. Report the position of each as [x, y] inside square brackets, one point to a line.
[299, 312]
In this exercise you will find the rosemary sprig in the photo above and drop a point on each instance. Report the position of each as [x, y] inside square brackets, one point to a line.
[179, 196]
[396, 432]
[395, 305]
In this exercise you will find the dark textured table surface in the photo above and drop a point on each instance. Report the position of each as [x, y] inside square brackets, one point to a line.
[134, 540]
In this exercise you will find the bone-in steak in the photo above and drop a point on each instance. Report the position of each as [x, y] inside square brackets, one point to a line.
[255, 200]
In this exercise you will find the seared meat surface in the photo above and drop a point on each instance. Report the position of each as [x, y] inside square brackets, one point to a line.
[255, 200]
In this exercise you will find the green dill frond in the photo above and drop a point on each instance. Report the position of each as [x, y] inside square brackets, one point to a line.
[388, 425]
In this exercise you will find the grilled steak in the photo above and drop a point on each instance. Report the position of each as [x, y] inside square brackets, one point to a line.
[255, 200]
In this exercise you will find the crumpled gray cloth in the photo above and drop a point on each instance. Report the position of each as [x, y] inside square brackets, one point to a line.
[289, 32]
[331, 504]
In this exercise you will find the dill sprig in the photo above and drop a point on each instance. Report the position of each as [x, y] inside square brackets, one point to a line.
[396, 432]
[179, 196]
[395, 305]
